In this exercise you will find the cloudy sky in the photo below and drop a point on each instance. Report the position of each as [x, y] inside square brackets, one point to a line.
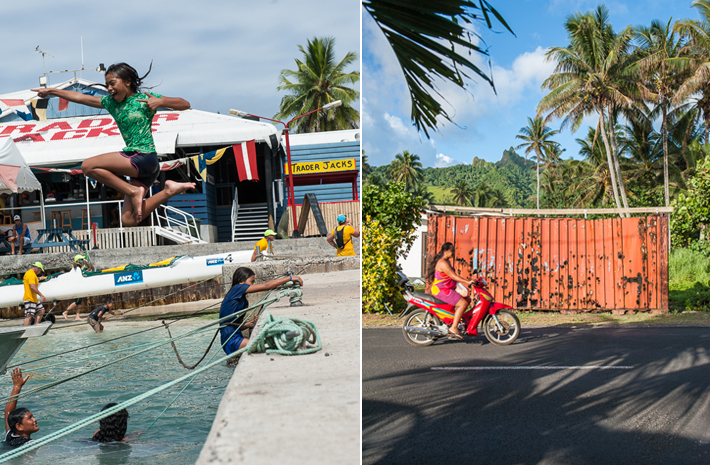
[217, 54]
[486, 123]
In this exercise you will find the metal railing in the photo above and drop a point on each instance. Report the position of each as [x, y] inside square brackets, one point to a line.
[174, 218]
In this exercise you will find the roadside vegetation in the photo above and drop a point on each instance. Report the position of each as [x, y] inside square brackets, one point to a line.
[648, 88]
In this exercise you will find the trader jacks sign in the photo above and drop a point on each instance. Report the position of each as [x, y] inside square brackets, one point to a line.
[314, 167]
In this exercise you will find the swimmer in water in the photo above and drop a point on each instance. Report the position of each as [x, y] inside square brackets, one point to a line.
[20, 424]
[113, 427]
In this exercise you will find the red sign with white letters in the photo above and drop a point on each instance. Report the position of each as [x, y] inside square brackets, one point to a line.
[100, 126]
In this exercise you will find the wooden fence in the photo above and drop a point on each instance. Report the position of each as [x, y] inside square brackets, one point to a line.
[115, 238]
[330, 211]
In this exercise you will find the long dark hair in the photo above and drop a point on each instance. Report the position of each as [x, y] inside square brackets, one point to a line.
[241, 274]
[15, 417]
[127, 73]
[446, 246]
[113, 427]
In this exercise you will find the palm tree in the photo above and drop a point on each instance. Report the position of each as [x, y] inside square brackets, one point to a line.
[485, 196]
[418, 33]
[537, 138]
[592, 181]
[462, 193]
[317, 81]
[407, 168]
[662, 70]
[590, 78]
[698, 35]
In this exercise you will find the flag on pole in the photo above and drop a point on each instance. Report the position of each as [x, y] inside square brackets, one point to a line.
[245, 156]
[18, 106]
[39, 109]
[63, 104]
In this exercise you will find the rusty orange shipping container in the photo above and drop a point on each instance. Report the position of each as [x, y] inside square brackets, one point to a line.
[561, 263]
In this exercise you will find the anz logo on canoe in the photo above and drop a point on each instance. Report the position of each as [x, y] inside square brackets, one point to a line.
[129, 277]
[215, 261]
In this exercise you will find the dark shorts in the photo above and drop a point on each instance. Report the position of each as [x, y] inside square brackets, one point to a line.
[32, 308]
[234, 342]
[79, 300]
[147, 166]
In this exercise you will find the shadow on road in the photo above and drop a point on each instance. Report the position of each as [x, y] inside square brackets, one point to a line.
[655, 413]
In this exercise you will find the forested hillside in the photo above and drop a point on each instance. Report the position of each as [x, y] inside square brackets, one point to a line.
[509, 176]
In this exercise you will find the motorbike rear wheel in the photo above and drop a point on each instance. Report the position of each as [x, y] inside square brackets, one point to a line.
[424, 320]
[508, 333]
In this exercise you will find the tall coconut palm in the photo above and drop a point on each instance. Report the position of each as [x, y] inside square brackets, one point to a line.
[592, 181]
[661, 70]
[317, 81]
[537, 138]
[418, 33]
[590, 78]
[697, 86]
[407, 168]
[462, 193]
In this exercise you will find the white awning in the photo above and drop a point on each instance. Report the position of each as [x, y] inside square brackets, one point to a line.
[14, 170]
[69, 141]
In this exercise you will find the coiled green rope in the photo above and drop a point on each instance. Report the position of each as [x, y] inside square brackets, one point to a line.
[285, 336]
[285, 326]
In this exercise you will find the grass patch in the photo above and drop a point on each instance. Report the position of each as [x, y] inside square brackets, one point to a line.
[441, 194]
[689, 273]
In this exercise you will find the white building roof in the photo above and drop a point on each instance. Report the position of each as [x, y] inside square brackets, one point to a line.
[69, 141]
[328, 137]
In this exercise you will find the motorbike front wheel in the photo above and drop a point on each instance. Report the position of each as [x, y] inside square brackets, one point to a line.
[423, 320]
[507, 332]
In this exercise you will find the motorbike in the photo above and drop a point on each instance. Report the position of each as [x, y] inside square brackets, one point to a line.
[428, 318]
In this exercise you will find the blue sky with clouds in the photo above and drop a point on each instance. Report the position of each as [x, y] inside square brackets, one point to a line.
[218, 54]
[486, 123]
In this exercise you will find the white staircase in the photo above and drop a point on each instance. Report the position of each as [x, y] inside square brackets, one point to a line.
[176, 225]
[249, 221]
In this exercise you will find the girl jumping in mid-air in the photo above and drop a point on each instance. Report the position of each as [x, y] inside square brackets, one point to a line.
[133, 111]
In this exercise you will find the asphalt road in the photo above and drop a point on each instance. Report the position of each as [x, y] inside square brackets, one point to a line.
[474, 403]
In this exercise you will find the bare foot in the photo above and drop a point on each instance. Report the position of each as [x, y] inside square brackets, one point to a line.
[77, 319]
[64, 314]
[136, 200]
[175, 188]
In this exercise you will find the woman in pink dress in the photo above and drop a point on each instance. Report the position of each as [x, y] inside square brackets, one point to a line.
[443, 287]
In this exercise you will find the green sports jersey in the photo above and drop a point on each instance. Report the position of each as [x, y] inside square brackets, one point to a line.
[134, 120]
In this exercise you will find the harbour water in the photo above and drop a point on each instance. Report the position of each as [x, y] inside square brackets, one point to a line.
[177, 436]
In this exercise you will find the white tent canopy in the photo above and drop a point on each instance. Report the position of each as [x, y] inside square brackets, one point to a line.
[67, 141]
[15, 174]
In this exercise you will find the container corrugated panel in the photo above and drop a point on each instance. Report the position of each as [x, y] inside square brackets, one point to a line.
[570, 264]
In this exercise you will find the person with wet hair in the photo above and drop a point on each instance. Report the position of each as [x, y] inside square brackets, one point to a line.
[113, 427]
[443, 287]
[243, 283]
[133, 111]
[20, 424]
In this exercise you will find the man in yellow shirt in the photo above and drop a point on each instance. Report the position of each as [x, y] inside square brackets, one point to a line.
[263, 244]
[341, 237]
[33, 308]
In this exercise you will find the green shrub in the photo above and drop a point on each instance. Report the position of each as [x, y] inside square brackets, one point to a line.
[689, 280]
[391, 215]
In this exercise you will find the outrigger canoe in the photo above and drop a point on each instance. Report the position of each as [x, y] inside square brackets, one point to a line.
[77, 283]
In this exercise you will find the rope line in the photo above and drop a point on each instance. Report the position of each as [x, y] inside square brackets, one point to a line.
[113, 339]
[251, 348]
[280, 294]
